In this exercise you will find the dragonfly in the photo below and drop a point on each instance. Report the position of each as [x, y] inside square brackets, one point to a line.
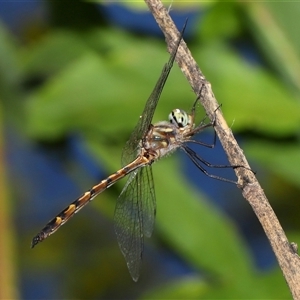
[136, 206]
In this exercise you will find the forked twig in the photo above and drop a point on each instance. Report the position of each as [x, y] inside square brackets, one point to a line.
[287, 257]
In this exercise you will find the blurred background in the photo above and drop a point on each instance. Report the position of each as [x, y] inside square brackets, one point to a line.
[74, 78]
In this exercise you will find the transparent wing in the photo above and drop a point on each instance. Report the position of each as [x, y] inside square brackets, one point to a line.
[134, 217]
[130, 148]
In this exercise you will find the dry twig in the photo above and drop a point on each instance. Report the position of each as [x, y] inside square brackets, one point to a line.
[287, 257]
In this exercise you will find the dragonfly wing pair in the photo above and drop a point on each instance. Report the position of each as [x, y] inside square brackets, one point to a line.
[136, 206]
[135, 216]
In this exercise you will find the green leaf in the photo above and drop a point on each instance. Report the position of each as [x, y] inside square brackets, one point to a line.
[200, 233]
[252, 98]
[273, 26]
[191, 287]
[90, 92]
[281, 158]
[220, 22]
[52, 53]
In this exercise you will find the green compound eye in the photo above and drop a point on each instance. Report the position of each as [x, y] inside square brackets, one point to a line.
[179, 118]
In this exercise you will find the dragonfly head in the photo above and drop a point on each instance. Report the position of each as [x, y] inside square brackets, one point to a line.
[180, 118]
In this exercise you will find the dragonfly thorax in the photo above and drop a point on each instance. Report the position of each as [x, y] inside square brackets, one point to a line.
[179, 118]
[165, 137]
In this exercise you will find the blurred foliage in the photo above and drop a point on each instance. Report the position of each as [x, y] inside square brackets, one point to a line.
[96, 80]
[9, 289]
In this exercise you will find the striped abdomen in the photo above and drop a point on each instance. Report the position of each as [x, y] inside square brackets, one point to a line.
[88, 196]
